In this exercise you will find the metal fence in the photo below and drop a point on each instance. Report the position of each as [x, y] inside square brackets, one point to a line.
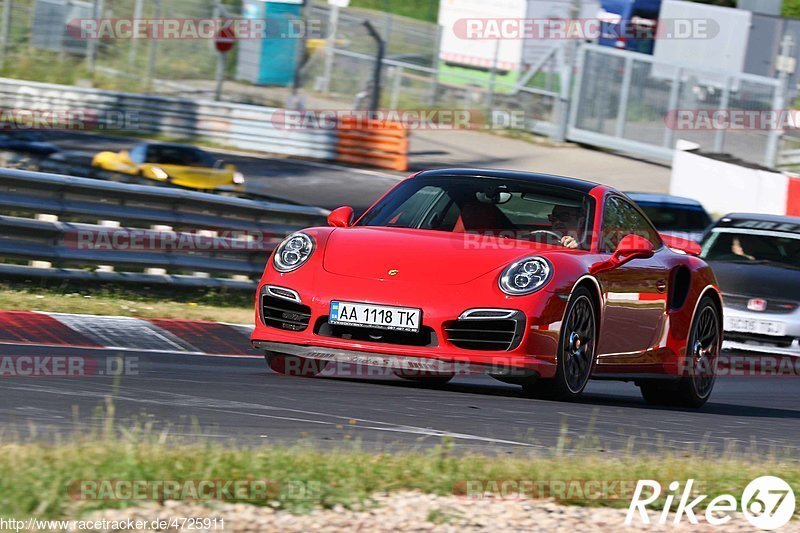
[52, 224]
[409, 87]
[236, 125]
[626, 101]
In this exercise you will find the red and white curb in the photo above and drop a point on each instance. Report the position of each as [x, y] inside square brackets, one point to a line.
[125, 333]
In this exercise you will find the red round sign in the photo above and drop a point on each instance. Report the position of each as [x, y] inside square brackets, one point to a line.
[225, 39]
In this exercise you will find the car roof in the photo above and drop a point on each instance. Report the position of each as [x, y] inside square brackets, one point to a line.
[545, 179]
[171, 145]
[760, 221]
[657, 198]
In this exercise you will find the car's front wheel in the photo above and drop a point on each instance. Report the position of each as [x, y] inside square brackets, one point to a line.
[700, 364]
[294, 365]
[576, 352]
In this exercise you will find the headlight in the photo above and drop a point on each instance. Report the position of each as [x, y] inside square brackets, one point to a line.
[159, 173]
[238, 178]
[525, 276]
[293, 252]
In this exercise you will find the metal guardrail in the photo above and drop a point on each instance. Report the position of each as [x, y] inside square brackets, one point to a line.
[789, 158]
[158, 234]
[241, 126]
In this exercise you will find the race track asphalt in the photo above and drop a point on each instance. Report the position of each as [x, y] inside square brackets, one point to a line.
[238, 398]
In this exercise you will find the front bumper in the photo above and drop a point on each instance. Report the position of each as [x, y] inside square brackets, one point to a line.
[533, 354]
[410, 364]
[766, 339]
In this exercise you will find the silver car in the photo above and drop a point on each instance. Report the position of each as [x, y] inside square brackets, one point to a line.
[756, 259]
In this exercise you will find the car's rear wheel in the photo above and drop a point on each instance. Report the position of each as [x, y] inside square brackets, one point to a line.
[425, 377]
[576, 352]
[294, 365]
[694, 387]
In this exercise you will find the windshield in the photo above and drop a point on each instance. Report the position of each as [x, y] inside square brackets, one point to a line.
[671, 217]
[752, 246]
[179, 155]
[499, 207]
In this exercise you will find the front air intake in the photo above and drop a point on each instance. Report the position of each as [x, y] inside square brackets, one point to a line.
[283, 314]
[480, 330]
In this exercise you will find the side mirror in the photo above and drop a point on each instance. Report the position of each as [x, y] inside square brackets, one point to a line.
[125, 157]
[630, 247]
[341, 217]
[229, 166]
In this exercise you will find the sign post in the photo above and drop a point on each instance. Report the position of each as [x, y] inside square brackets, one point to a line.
[224, 42]
[333, 22]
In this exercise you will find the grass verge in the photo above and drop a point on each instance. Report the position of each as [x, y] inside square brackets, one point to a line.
[35, 477]
[119, 300]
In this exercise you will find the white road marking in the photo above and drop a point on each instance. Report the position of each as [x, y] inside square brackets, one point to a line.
[229, 406]
[128, 332]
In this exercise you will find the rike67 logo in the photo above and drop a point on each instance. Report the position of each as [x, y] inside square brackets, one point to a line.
[768, 502]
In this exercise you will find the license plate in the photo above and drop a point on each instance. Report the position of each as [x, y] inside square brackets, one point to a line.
[752, 325]
[375, 316]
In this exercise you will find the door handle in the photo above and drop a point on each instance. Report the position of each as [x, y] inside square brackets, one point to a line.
[661, 285]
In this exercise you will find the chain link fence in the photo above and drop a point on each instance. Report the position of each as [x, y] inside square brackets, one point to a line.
[631, 102]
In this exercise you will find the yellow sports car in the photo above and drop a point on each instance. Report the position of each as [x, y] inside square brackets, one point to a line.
[186, 166]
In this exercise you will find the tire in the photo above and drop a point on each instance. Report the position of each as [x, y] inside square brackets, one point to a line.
[294, 365]
[433, 379]
[694, 387]
[576, 352]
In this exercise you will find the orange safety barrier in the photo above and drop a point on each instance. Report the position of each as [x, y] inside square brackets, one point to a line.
[373, 142]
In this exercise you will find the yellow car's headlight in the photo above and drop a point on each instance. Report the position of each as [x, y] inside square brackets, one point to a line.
[159, 173]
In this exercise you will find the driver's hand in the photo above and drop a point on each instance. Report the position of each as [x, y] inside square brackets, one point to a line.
[568, 241]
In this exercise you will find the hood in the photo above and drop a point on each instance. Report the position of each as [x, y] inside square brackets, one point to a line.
[420, 255]
[757, 279]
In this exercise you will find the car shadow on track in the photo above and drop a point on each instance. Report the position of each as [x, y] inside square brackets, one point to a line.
[595, 399]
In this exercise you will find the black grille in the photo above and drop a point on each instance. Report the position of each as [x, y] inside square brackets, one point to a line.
[424, 337]
[484, 334]
[735, 301]
[283, 314]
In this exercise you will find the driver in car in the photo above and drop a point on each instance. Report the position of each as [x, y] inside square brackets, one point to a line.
[567, 221]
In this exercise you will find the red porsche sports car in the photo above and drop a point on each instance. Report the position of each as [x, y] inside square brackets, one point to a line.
[537, 280]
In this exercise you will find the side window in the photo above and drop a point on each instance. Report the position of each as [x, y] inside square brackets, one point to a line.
[621, 218]
[137, 153]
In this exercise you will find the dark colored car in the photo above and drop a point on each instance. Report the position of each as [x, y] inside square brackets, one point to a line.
[756, 259]
[28, 142]
[676, 215]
